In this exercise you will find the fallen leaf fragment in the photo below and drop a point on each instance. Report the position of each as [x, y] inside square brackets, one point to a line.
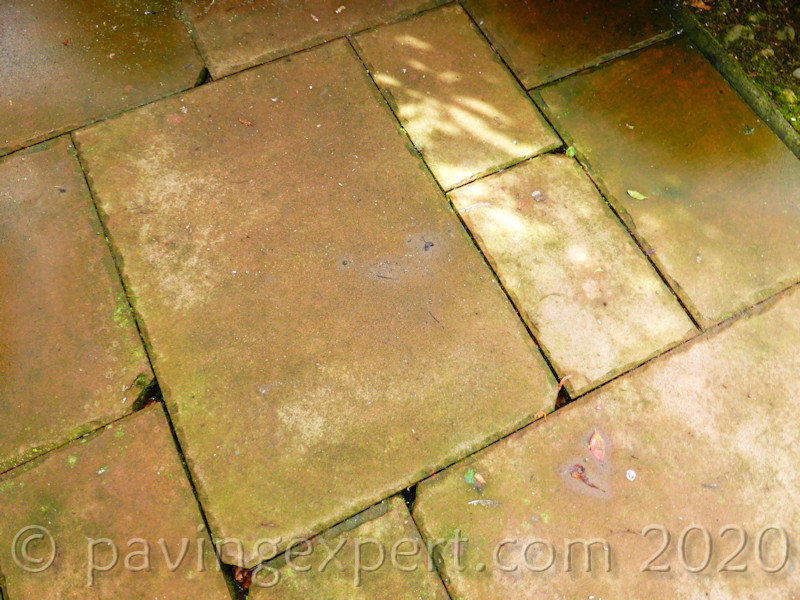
[699, 4]
[636, 195]
[579, 472]
[484, 502]
[597, 446]
[479, 478]
[243, 577]
[571, 151]
[246, 123]
[540, 415]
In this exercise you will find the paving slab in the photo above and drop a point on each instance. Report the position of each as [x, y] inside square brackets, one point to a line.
[63, 65]
[670, 468]
[323, 329]
[383, 557]
[71, 358]
[705, 185]
[579, 280]
[233, 35]
[126, 485]
[544, 40]
[455, 98]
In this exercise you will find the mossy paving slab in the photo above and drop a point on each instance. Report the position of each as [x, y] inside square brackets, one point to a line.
[383, 557]
[698, 440]
[455, 98]
[234, 35]
[545, 39]
[322, 327]
[578, 278]
[70, 356]
[125, 484]
[710, 191]
[63, 64]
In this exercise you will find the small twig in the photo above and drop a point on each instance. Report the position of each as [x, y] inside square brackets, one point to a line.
[208, 8]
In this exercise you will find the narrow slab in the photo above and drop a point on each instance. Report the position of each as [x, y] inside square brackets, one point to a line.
[234, 35]
[458, 102]
[322, 327]
[71, 359]
[576, 275]
[721, 213]
[383, 557]
[700, 440]
[542, 40]
[125, 484]
[65, 64]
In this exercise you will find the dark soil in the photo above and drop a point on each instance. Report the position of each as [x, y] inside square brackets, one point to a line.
[763, 36]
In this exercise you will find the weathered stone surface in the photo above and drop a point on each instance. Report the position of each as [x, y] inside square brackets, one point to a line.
[455, 98]
[71, 359]
[578, 278]
[545, 39]
[234, 35]
[381, 558]
[722, 207]
[64, 64]
[704, 436]
[125, 484]
[322, 327]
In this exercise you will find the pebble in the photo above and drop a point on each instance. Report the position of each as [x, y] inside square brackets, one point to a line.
[796, 73]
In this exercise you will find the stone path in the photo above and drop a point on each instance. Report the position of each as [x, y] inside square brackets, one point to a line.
[414, 299]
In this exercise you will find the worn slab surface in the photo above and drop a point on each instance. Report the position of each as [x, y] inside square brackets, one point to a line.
[457, 101]
[70, 356]
[703, 436]
[576, 275]
[63, 64]
[383, 557]
[323, 329]
[545, 39]
[125, 484]
[234, 35]
[722, 207]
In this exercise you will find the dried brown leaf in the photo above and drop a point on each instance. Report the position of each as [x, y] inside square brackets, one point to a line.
[597, 446]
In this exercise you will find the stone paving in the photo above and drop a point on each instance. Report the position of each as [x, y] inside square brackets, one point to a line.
[465, 300]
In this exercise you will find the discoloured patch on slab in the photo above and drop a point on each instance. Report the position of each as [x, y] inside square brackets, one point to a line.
[381, 558]
[701, 439]
[322, 327]
[70, 356]
[705, 185]
[63, 64]
[456, 99]
[547, 39]
[125, 484]
[235, 34]
[580, 281]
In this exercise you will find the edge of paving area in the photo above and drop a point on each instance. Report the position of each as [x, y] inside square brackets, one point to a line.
[714, 53]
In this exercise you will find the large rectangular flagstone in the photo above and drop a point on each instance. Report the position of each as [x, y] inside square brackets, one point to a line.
[322, 328]
[235, 34]
[126, 485]
[547, 39]
[382, 557]
[63, 64]
[460, 105]
[577, 276]
[707, 187]
[701, 441]
[71, 358]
